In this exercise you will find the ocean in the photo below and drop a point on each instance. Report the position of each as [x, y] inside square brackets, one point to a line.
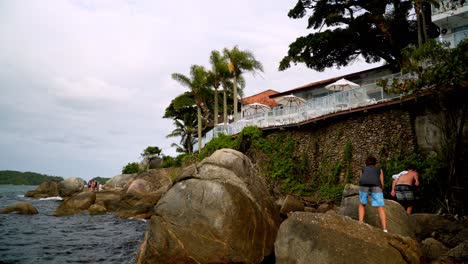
[81, 238]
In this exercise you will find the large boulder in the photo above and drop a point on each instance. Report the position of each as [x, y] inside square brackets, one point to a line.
[70, 186]
[427, 224]
[109, 199]
[398, 221]
[20, 208]
[46, 189]
[151, 162]
[142, 193]
[433, 249]
[76, 203]
[149, 182]
[96, 209]
[221, 213]
[118, 182]
[329, 238]
[291, 204]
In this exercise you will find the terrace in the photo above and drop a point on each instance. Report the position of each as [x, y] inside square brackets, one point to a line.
[313, 109]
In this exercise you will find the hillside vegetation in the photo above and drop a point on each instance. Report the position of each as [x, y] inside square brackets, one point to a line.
[25, 178]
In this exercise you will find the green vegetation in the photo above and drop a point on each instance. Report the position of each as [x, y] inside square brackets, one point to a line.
[151, 150]
[100, 180]
[443, 75]
[25, 178]
[131, 167]
[283, 165]
[375, 30]
[203, 85]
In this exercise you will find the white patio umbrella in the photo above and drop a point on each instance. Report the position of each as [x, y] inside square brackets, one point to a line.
[341, 85]
[290, 100]
[255, 108]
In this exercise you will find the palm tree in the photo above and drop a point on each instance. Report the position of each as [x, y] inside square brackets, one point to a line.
[240, 62]
[218, 74]
[420, 6]
[185, 119]
[185, 129]
[197, 83]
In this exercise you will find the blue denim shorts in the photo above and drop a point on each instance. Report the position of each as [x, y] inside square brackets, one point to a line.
[376, 193]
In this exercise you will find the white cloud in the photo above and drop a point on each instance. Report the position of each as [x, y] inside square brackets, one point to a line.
[85, 83]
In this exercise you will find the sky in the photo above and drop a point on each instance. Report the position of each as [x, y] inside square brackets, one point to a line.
[84, 84]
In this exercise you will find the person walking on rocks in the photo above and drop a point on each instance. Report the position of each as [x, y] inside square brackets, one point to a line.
[372, 182]
[402, 188]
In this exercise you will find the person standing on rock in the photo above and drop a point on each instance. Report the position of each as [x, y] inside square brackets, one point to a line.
[372, 182]
[402, 188]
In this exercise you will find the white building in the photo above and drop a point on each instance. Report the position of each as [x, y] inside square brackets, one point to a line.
[452, 19]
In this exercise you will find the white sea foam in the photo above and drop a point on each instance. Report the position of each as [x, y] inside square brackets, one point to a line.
[52, 198]
[20, 195]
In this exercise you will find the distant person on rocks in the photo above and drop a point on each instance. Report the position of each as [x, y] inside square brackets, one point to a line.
[402, 188]
[372, 182]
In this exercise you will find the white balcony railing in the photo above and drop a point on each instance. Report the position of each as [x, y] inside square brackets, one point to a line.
[365, 95]
[448, 6]
[453, 39]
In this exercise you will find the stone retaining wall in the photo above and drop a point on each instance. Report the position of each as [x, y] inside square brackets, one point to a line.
[376, 133]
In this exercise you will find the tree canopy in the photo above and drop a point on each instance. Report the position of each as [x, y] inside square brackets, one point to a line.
[375, 30]
[25, 178]
[151, 150]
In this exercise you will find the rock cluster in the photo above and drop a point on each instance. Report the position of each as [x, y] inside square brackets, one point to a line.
[219, 211]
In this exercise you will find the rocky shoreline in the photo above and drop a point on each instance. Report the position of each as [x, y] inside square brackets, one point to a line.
[220, 211]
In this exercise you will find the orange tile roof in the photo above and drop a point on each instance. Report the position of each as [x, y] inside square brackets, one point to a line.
[262, 98]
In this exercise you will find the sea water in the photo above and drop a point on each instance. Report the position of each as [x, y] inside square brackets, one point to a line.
[81, 238]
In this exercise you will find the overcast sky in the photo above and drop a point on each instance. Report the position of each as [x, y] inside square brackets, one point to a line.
[84, 84]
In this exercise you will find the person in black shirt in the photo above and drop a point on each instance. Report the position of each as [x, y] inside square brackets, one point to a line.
[372, 182]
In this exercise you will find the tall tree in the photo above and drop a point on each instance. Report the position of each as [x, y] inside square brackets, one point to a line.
[422, 8]
[374, 30]
[185, 129]
[216, 76]
[240, 62]
[444, 73]
[197, 83]
[181, 110]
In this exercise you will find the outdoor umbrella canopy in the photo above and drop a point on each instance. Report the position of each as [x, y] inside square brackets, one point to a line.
[255, 108]
[341, 85]
[290, 100]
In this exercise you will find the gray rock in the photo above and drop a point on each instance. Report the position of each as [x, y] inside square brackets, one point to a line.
[109, 199]
[96, 209]
[460, 252]
[433, 249]
[70, 186]
[20, 208]
[46, 189]
[398, 221]
[327, 238]
[119, 181]
[76, 203]
[223, 214]
[291, 204]
[429, 223]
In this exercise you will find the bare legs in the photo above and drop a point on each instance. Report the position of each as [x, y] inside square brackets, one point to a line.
[383, 217]
[362, 212]
[380, 210]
